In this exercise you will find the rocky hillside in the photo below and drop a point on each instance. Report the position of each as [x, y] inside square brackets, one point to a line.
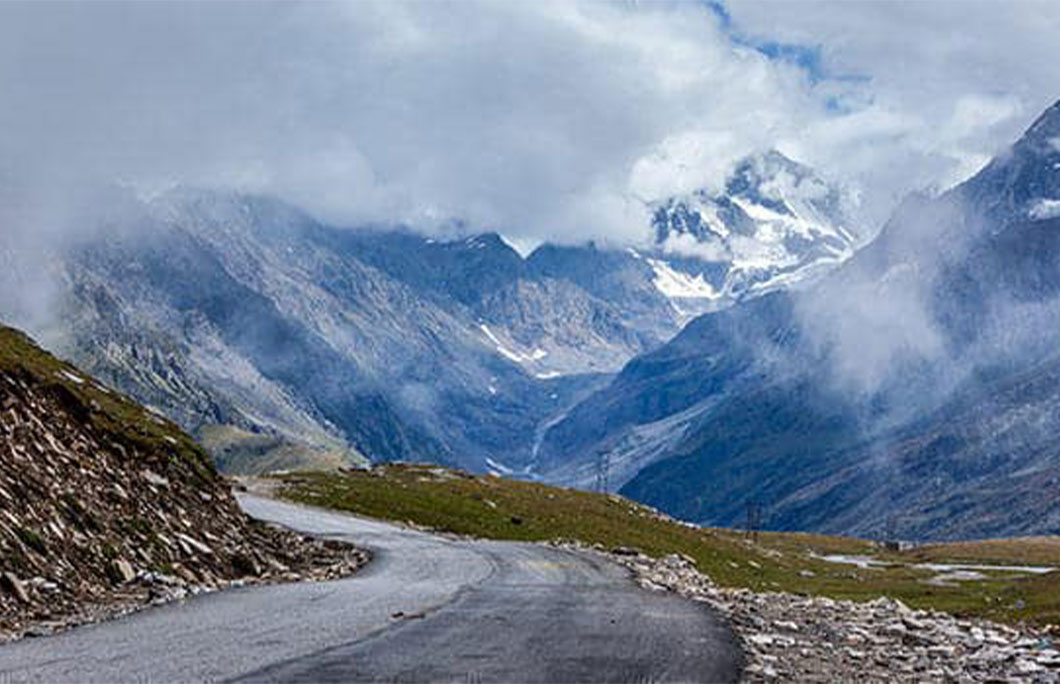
[105, 506]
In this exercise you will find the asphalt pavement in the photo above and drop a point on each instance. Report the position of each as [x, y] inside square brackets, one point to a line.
[426, 609]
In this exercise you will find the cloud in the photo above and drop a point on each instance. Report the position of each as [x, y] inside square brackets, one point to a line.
[684, 244]
[946, 85]
[547, 121]
[533, 118]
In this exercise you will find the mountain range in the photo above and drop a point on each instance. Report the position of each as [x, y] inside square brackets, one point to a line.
[280, 341]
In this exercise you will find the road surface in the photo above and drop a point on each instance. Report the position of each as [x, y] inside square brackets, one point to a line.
[426, 609]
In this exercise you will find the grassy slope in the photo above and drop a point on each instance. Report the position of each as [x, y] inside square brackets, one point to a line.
[496, 508]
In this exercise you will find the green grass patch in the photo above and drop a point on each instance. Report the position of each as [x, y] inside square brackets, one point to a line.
[496, 508]
[32, 539]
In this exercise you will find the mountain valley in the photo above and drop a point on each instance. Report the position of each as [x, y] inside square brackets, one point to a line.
[490, 342]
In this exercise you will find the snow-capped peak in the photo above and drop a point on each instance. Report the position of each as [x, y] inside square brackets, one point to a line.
[775, 224]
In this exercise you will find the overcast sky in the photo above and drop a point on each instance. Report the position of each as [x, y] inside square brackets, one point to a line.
[543, 120]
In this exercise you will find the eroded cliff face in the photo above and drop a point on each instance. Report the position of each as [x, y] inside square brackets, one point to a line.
[105, 506]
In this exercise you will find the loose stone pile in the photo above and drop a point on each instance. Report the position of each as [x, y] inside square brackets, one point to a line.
[801, 638]
[105, 508]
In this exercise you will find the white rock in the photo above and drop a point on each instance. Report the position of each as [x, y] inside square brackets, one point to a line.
[761, 639]
[994, 638]
[942, 651]
[124, 570]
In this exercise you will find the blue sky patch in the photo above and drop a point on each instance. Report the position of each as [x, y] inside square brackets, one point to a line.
[806, 57]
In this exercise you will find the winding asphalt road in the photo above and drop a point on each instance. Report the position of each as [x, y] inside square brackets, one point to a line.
[426, 609]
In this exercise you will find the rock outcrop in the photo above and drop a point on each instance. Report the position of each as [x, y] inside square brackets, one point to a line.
[105, 506]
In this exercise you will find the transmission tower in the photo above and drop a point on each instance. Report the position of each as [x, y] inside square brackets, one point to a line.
[603, 471]
[754, 519]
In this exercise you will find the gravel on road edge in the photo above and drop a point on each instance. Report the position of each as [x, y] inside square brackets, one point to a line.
[789, 637]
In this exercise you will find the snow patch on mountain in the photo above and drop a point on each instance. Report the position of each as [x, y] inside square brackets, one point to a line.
[524, 247]
[791, 280]
[512, 355]
[677, 284]
[1044, 209]
[498, 468]
[76, 379]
